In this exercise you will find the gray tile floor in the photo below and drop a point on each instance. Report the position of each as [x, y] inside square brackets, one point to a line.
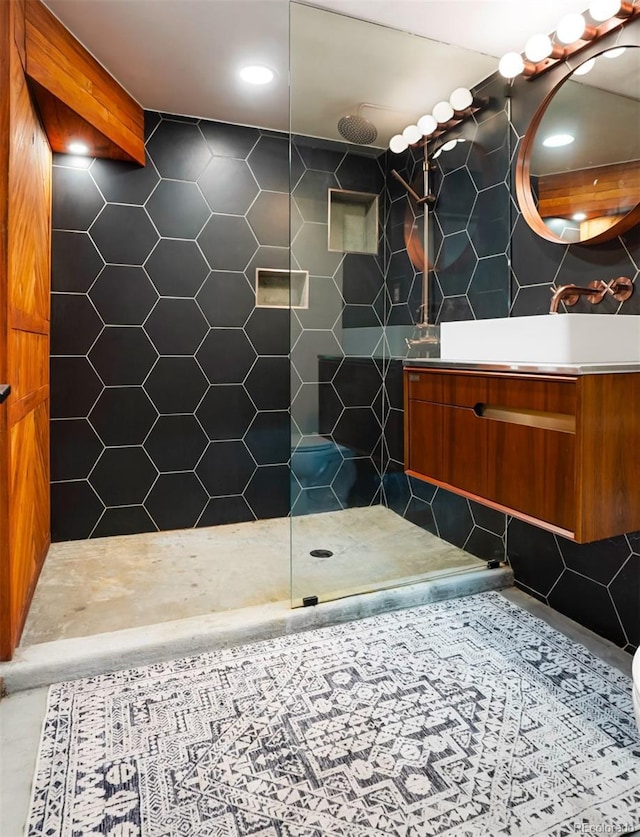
[21, 717]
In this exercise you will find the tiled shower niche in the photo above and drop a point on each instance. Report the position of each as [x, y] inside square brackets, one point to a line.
[353, 222]
[282, 288]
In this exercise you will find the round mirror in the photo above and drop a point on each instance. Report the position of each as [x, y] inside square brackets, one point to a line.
[578, 171]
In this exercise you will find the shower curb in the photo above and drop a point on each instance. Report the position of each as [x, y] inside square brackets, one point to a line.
[69, 659]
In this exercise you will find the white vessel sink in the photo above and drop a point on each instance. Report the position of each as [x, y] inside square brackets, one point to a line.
[547, 338]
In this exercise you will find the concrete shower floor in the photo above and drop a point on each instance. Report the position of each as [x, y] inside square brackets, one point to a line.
[110, 584]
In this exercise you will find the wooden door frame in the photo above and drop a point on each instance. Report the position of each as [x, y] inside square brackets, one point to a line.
[6, 36]
[25, 292]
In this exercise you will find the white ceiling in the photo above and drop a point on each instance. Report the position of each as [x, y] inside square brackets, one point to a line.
[182, 56]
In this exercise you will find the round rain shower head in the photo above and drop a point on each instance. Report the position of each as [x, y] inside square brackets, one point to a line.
[357, 129]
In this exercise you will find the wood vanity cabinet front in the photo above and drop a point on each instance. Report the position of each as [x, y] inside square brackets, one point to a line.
[561, 452]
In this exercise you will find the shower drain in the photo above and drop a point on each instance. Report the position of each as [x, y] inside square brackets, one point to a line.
[321, 553]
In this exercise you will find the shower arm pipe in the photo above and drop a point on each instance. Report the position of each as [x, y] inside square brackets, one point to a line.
[426, 199]
[409, 189]
[377, 107]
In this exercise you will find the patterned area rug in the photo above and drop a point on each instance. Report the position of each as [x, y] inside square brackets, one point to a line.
[463, 718]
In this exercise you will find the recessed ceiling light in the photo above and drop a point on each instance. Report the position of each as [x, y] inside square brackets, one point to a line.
[558, 140]
[256, 74]
[78, 148]
[580, 216]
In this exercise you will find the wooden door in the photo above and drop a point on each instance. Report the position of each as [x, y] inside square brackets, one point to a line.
[25, 244]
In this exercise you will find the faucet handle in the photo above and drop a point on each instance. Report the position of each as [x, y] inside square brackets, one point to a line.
[621, 288]
[600, 290]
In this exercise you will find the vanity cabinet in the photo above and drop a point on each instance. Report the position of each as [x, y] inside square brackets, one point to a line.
[559, 451]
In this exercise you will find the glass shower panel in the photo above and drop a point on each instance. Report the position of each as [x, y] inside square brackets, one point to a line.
[356, 523]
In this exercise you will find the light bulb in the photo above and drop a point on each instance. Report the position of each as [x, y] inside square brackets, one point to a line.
[78, 148]
[571, 28]
[398, 144]
[614, 53]
[538, 48]
[450, 145]
[583, 69]
[412, 134]
[443, 112]
[604, 9]
[256, 74]
[511, 65]
[427, 124]
[461, 99]
[579, 216]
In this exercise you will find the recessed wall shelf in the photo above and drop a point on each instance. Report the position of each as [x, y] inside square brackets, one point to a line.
[282, 288]
[353, 222]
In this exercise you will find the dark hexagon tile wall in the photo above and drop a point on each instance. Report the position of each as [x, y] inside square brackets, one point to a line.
[123, 416]
[75, 262]
[123, 295]
[123, 234]
[177, 267]
[179, 151]
[222, 243]
[147, 376]
[76, 200]
[178, 209]
[75, 447]
[228, 186]
[176, 443]
[226, 468]
[164, 370]
[124, 182]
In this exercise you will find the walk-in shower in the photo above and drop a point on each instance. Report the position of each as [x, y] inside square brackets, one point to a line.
[227, 404]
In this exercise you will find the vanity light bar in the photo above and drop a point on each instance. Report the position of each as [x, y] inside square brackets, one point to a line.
[445, 115]
[572, 35]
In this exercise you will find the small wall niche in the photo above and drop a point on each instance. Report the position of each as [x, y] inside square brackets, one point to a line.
[353, 222]
[282, 288]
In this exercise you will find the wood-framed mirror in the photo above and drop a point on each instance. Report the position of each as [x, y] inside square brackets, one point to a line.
[578, 169]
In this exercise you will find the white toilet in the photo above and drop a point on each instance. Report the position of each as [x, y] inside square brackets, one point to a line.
[636, 686]
[317, 462]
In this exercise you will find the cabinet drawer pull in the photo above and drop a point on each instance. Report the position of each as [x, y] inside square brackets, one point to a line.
[562, 422]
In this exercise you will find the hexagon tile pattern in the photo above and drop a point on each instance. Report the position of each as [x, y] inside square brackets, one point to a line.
[172, 377]
[146, 249]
